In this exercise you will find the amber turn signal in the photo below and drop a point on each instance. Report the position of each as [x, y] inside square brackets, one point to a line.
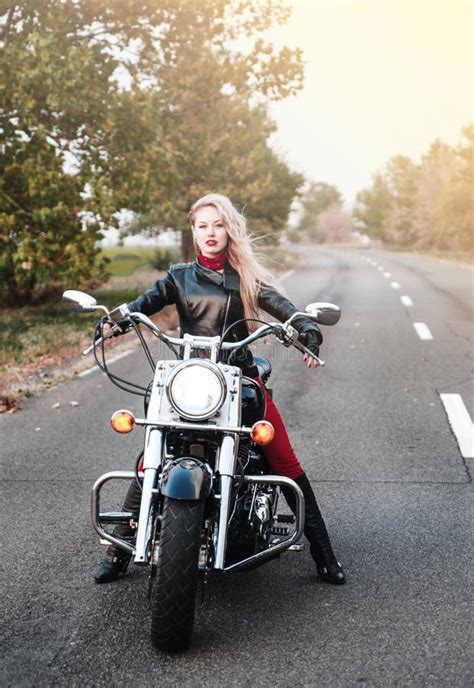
[123, 421]
[262, 432]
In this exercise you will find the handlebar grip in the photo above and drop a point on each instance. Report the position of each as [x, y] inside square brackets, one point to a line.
[301, 347]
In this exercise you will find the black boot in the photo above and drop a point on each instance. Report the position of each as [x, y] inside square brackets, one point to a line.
[329, 569]
[116, 560]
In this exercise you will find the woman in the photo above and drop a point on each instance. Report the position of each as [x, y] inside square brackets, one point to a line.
[224, 285]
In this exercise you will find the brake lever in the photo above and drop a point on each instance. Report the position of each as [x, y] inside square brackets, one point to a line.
[301, 347]
[290, 338]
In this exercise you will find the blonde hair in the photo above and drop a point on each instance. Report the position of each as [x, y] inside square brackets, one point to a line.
[240, 252]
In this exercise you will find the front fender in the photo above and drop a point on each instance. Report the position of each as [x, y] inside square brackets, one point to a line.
[186, 478]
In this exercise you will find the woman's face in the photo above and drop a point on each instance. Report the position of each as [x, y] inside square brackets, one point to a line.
[209, 231]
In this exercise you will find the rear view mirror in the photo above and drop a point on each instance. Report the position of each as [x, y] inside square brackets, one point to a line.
[324, 313]
[79, 301]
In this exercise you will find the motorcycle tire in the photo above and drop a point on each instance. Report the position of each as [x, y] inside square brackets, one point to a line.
[173, 595]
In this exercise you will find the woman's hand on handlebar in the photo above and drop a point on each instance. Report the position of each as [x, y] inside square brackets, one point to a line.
[311, 341]
[310, 361]
[106, 330]
[111, 329]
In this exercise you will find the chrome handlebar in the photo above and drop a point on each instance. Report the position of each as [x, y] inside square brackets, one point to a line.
[287, 334]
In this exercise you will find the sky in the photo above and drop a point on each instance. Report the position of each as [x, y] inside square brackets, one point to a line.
[382, 78]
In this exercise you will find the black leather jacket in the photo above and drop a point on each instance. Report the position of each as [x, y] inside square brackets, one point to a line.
[208, 302]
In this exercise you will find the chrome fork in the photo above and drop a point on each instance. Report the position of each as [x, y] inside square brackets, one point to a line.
[226, 468]
[151, 464]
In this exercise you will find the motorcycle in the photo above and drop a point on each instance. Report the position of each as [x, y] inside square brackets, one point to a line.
[208, 501]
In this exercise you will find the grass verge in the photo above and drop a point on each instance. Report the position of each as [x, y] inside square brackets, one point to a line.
[125, 260]
[31, 333]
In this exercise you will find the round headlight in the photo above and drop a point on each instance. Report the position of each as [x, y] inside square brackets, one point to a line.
[196, 390]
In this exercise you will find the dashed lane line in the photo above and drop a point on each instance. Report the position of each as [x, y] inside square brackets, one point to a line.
[422, 331]
[458, 416]
[460, 422]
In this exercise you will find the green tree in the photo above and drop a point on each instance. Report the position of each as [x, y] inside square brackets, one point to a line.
[455, 207]
[317, 198]
[372, 208]
[437, 167]
[43, 243]
[215, 123]
[143, 106]
[229, 155]
[44, 235]
[385, 210]
[401, 177]
[428, 205]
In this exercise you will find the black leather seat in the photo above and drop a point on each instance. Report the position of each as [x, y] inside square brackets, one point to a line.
[264, 367]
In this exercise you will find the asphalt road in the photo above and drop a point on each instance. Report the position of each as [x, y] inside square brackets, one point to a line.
[395, 489]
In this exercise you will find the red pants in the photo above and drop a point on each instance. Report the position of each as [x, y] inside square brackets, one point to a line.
[279, 453]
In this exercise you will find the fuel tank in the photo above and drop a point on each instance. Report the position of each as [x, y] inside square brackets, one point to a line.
[253, 402]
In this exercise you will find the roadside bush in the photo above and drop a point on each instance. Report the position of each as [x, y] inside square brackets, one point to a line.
[164, 257]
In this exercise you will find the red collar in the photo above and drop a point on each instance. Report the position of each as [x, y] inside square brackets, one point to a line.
[216, 263]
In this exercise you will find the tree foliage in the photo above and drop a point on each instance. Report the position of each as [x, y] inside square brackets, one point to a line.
[373, 208]
[429, 205]
[44, 121]
[317, 202]
[215, 123]
[132, 105]
[334, 225]
[42, 243]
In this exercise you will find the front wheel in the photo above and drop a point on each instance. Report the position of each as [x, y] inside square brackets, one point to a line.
[174, 589]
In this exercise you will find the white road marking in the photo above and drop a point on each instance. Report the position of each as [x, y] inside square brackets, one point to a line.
[460, 422]
[87, 372]
[387, 274]
[380, 268]
[406, 300]
[395, 285]
[109, 362]
[422, 330]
